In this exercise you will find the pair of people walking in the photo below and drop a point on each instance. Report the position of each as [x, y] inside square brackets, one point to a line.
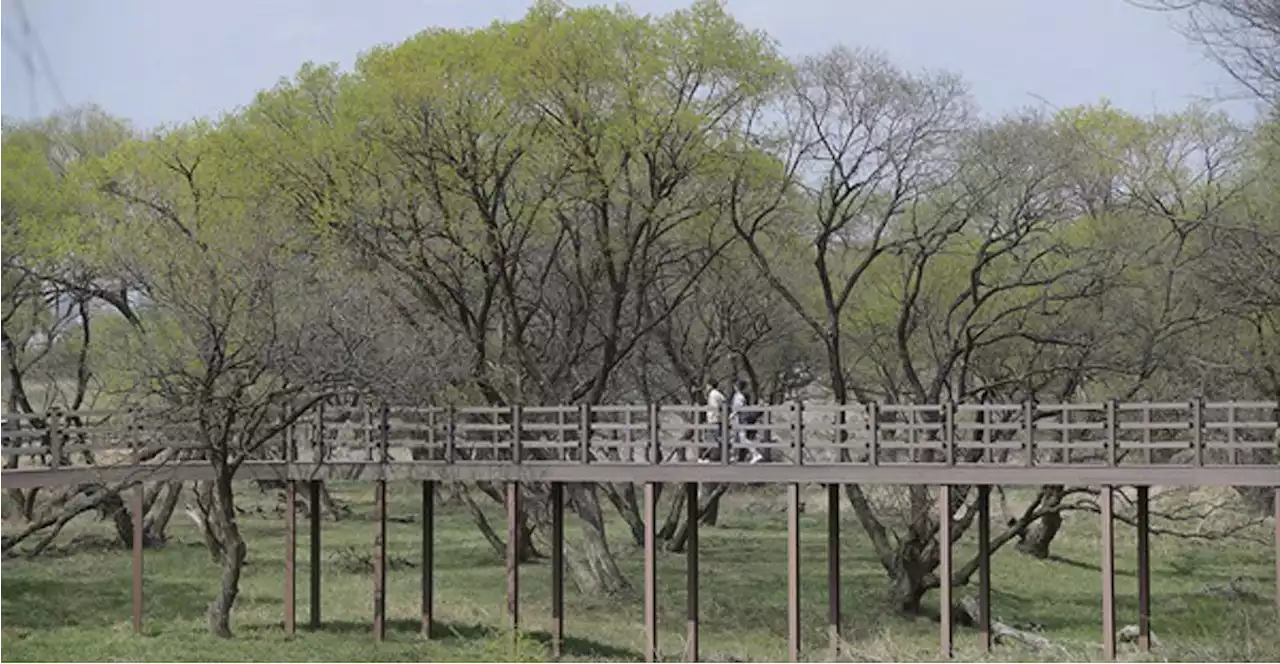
[737, 416]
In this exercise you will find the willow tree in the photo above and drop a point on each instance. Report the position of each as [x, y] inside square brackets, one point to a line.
[551, 189]
[218, 276]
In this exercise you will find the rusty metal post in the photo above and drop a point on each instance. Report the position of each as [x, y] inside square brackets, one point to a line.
[944, 570]
[1144, 569]
[833, 568]
[138, 492]
[1108, 575]
[793, 571]
[984, 565]
[691, 572]
[557, 569]
[650, 573]
[513, 558]
[313, 499]
[428, 556]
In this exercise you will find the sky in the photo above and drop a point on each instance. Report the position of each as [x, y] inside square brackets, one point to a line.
[159, 62]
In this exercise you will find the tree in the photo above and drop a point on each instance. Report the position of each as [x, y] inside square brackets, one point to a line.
[1241, 36]
[549, 190]
[218, 270]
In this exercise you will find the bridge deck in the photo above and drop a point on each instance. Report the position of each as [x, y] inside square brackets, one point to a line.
[1183, 443]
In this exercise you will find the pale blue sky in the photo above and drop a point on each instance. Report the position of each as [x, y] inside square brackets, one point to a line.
[164, 61]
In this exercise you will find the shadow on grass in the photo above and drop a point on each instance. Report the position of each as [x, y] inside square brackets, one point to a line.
[473, 632]
[76, 602]
[1092, 567]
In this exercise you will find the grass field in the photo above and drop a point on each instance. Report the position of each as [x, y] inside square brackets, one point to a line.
[74, 603]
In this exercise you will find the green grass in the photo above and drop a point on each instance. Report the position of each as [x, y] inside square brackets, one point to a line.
[74, 603]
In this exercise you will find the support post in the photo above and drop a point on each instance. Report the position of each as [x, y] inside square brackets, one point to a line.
[793, 572]
[380, 536]
[513, 558]
[138, 492]
[380, 560]
[428, 556]
[650, 573]
[1108, 576]
[313, 499]
[290, 536]
[944, 570]
[290, 559]
[691, 572]
[1144, 569]
[984, 565]
[833, 569]
[557, 569]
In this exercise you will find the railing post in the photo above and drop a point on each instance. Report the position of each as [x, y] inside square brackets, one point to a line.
[1029, 426]
[517, 434]
[584, 433]
[1113, 433]
[949, 432]
[726, 448]
[1197, 429]
[451, 435]
[53, 421]
[873, 421]
[833, 569]
[797, 432]
[655, 434]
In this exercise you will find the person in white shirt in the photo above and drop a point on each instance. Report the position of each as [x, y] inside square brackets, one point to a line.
[715, 402]
[736, 405]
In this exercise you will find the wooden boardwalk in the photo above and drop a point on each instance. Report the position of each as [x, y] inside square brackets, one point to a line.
[951, 446]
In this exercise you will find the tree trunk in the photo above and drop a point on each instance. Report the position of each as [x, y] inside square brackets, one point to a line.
[156, 527]
[626, 504]
[1039, 536]
[709, 515]
[906, 590]
[597, 572]
[681, 537]
[232, 549]
[668, 529]
[204, 519]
